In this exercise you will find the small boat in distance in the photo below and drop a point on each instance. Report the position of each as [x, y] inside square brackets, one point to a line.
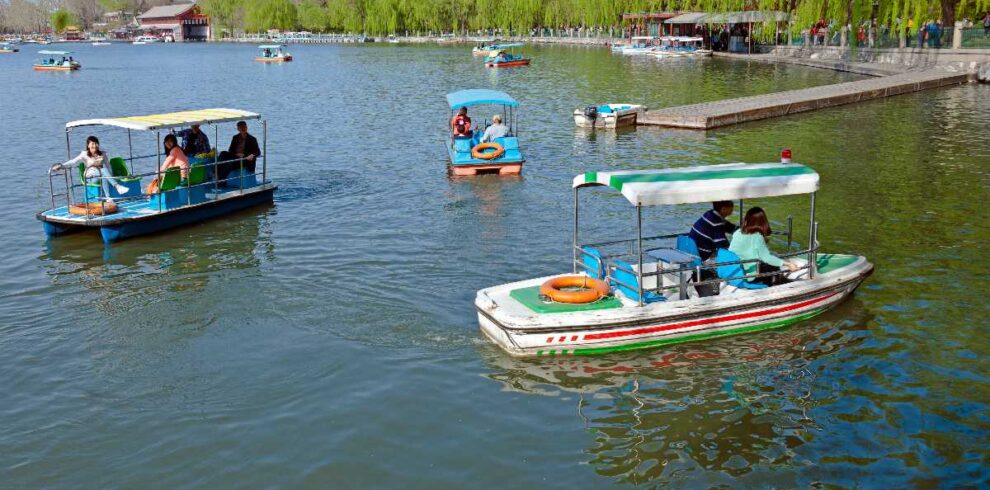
[211, 187]
[468, 155]
[486, 47]
[608, 116]
[100, 43]
[56, 61]
[650, 291]
[146, 39]
[273, 53]
[8, 48]
[508, 55]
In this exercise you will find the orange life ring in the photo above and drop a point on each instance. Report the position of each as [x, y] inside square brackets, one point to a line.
[479, 151]
[93, 209]
[592, 289]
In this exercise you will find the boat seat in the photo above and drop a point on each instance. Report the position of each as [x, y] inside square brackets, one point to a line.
[593, 262]
[734, 270]
[170, 180]
[621, 273]
[508, 142]
[687, 245]
[197, 173]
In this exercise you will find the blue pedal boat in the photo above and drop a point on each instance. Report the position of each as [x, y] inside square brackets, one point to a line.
[201, 196]
[468, 156]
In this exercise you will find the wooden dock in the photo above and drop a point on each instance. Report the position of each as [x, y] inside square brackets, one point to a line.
[720, 113]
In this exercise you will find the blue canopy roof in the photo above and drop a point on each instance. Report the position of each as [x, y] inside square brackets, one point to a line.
[465, 98]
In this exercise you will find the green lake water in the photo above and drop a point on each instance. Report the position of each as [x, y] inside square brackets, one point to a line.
[330, 340]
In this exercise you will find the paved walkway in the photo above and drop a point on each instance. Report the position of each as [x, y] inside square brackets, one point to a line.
[710, 115]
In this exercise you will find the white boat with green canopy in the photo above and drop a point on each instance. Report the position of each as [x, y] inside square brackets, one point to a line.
[644, 292]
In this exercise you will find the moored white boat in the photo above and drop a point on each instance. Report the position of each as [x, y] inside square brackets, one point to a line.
[681, 47]
[608, 116]
[657, 304]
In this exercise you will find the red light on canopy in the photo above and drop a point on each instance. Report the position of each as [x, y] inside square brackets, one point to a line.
[785, 155]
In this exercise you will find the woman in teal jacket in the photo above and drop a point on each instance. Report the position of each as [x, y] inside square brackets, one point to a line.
[749, 242]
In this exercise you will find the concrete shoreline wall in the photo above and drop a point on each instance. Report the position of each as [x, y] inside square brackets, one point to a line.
[957, 60]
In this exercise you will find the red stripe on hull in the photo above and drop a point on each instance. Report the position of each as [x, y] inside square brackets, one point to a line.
[694, 323]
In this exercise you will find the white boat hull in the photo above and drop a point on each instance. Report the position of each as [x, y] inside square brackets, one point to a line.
[522, 332]
[611, 120]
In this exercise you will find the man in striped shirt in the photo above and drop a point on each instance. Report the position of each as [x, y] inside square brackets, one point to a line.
[709, 232]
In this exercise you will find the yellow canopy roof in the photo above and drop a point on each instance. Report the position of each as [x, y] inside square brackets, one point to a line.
[170, 120]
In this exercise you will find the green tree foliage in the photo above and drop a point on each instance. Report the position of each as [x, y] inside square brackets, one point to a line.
[60, 19]
[421, 16]
[260, 15]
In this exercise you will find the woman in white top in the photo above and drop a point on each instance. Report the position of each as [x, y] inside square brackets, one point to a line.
[96, 167]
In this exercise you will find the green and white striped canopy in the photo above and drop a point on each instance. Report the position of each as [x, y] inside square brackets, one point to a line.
[705, 184]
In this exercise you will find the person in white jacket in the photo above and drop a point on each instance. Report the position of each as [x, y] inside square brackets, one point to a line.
[96, 167]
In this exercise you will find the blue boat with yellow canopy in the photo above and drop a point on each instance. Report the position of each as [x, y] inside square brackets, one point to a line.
[211, 188]
[469, 155]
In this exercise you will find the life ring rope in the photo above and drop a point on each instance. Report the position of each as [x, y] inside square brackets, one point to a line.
[479, 151]
[591, 289]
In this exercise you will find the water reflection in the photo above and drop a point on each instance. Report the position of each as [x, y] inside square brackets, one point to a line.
[700, 412]
[182, 259]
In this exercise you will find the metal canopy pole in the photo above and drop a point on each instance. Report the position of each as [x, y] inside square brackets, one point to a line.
[264, 150]
[639, 231]
[811, 240]
[574, 247]
[740, 212]
[130, 152]
[158, 168]
[216, 158]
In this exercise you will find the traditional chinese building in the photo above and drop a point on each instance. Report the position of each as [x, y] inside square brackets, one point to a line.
[182, 22]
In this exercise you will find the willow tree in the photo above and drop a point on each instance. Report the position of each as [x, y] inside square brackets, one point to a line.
[261, 15]
[60, 19]
[223, 13]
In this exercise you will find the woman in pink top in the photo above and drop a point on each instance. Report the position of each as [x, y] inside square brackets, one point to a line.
[176, 157]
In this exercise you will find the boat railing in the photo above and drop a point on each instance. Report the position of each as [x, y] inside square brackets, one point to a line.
[606, 262]
[72, 185]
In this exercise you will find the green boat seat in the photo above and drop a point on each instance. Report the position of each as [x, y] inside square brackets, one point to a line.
[118, 167]
[197, 173]
[170, 180]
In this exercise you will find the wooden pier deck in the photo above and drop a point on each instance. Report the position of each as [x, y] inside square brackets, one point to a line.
[715, 114]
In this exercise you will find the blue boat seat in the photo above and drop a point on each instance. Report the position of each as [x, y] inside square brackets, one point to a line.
[594, 263]
[733, 270]
[621, 273]
[237, 176]
[686, 244]
[508, 142]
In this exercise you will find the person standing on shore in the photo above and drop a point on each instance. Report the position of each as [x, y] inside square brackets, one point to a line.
[986, 25]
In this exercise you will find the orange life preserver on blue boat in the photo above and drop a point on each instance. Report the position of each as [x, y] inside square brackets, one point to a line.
[591, 289]
[93, 209]
[479, 151]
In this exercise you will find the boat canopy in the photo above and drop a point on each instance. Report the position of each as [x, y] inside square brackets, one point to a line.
[465, 98]
[170, 120]
[705, 184]
[56, 53]
[510, 45]
[270, 46]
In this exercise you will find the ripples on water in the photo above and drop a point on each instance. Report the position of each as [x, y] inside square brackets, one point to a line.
[331, 338]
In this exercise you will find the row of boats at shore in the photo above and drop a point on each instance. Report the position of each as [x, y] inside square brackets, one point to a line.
[663, 46]
[57, 60]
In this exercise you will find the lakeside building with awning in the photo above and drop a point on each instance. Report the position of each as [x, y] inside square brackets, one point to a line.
[183, 22]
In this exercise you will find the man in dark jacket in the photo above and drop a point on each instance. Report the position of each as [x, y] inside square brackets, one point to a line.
[243, 150]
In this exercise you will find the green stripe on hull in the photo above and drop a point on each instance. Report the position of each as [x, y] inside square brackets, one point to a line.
[686, 338]
[617, 181]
